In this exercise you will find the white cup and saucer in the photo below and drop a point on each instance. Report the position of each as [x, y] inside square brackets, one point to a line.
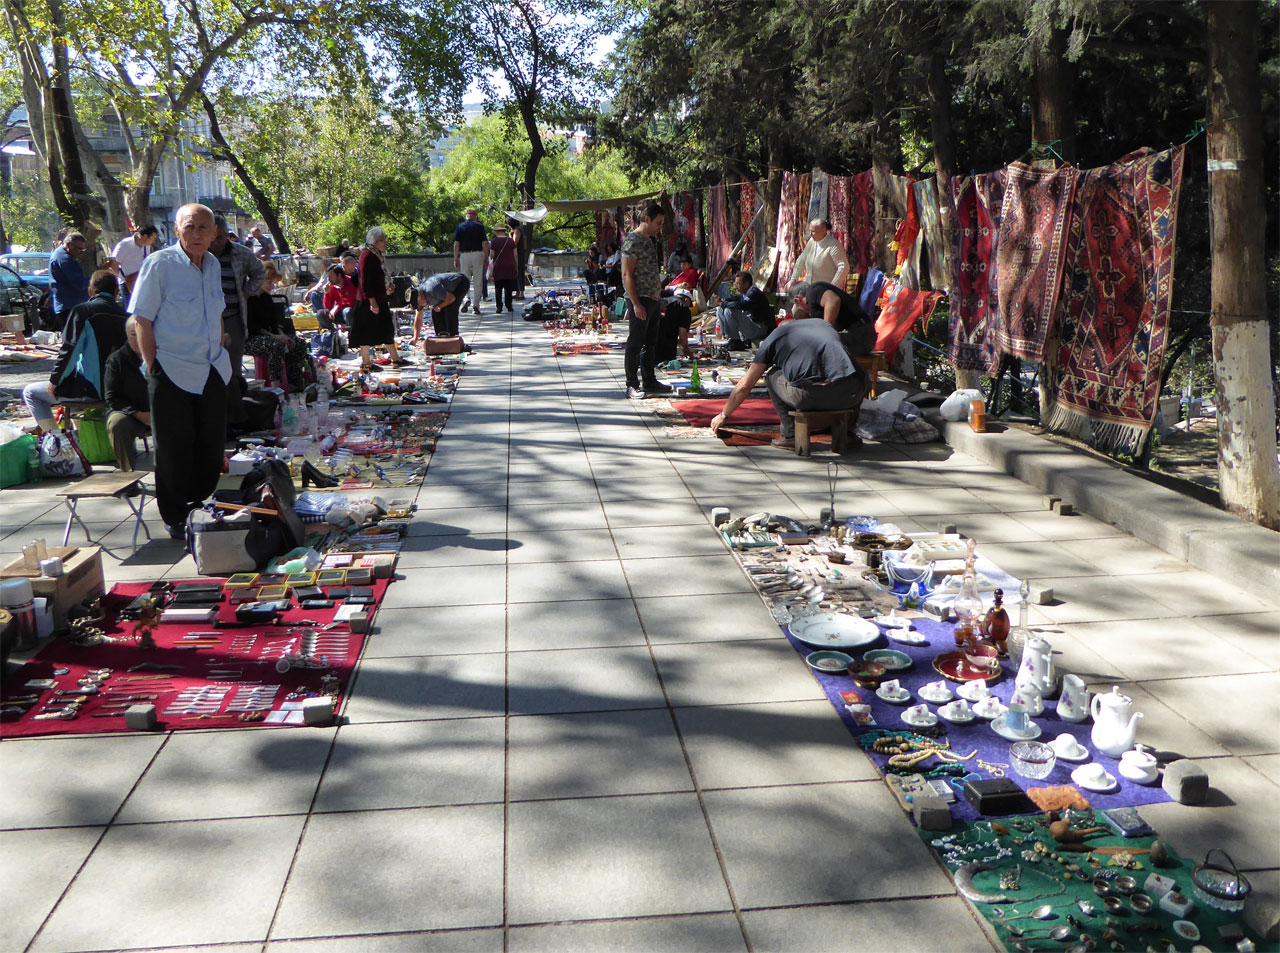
[919, 716]
[892, 692]
[974, 691]
[1093, 777]
[958, 712]
[1067, 748]
[989, 708]
[936, 692]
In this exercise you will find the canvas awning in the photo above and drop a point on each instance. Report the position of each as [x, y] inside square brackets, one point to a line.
[538, 213]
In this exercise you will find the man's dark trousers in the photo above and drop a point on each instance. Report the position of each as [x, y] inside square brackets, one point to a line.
[190, 431]
[642, 342]
[814, 395]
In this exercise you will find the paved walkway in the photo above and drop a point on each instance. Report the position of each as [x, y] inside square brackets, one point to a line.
[577, 728]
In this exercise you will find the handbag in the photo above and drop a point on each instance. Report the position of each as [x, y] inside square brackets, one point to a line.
[60, 455]
[221, 545]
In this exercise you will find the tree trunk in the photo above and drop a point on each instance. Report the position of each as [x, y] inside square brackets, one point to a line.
[772, 196]
[1248, 480]
[137, 204]
[883, 148]
[266, 208]
[83, 206]
[6, 189]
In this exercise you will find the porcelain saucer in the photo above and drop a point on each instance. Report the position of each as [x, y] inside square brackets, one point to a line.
[907, 636]
[999, 726]
[1080, 752]
[925, 721]
[973, 691]
[943, 712]
[901, 698]
[930, 694]
[995, 711]
[1079, 777]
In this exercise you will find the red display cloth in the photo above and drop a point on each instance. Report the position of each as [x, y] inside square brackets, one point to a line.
[1031, 256]
[1114, 313]
[719, 244]
[746, 211]
[573, 350]
[121, 656]
[900, 310]
[839, 188]
[754, 411]
[862, 221]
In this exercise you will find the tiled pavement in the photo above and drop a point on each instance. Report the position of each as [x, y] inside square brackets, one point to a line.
[576, 728]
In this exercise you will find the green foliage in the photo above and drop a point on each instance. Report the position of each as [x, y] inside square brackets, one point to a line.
[29, 215]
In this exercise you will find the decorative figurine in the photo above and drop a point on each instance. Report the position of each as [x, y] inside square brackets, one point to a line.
[144, 628]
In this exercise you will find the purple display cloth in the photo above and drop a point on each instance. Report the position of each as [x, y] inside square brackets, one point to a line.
[977, 734]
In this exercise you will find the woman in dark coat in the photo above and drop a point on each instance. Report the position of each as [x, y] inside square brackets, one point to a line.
[372, 323]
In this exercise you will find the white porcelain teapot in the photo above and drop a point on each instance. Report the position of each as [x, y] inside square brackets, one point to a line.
[1037, 667]
[1115, 723]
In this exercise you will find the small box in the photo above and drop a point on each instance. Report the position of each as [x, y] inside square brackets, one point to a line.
[140, 717]
[359, 577]
[317, 711]
[331, 577]
[81, 581]
[241, 580]
[359, 621]
[996, 796]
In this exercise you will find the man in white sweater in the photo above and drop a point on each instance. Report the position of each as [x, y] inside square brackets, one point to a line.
[822, 259]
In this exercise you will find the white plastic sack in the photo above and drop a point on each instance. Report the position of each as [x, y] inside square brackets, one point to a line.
[59, 458]
[956, 406]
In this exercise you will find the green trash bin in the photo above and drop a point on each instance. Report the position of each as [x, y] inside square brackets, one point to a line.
[91, 431]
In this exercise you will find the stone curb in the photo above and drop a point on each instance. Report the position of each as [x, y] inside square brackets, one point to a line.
[1207, 538]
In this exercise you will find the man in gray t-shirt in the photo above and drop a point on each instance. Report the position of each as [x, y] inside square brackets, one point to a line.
[444, 295]
[642, 284]
[808, 369]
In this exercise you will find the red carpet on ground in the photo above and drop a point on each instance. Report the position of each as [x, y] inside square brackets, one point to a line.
[196, 668]
[755, 411]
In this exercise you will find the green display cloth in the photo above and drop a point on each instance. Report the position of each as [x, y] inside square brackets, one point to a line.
[1131, 930]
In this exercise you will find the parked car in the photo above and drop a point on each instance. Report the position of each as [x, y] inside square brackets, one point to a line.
[18, 295]
[32, 266]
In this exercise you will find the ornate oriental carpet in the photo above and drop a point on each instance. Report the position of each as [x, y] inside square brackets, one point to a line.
[1114, 314]
[936, 244]
[974, 307]
[908, 235]
[718, 243]
[1030, 256]
[817, 197]
[747, 211]
[684, 220]
[862, 222]
[790, 227]
[838, 193]
[901, 308]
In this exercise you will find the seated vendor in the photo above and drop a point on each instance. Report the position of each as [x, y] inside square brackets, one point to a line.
[807, 368]
[840, 310]
[745, 316]
[688, 276]
[128, 403]
[339, 295]
[271, 335]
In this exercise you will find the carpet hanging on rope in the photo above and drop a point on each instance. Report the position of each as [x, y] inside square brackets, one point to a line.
[746, 212]
[838, 191]
[937, 247]
[718, 242]
[974, 306]
[862, 221]
[901, 308]
[1114, 314]
[1030, 256]
[789, 226]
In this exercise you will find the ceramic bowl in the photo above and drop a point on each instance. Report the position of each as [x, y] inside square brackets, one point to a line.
[907, 573]
[1032, 759]
[829, 663]
[891, 659]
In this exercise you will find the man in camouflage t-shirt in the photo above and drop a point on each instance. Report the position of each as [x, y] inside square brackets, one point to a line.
[642, 284]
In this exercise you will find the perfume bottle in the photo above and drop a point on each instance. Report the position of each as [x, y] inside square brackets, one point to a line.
[996, 625]
[1019, 636]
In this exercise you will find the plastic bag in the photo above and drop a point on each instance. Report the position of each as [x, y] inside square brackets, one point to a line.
[60, 456]
[956, 406]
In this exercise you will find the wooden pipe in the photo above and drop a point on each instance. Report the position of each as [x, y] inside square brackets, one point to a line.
[1062, 832]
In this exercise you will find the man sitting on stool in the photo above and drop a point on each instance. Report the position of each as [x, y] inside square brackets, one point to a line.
[746, 316]
[128, 403]
[808, 369]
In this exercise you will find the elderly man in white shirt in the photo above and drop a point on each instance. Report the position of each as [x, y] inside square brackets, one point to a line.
[822, 259]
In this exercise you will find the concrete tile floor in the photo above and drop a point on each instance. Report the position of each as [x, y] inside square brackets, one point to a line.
[576, 727]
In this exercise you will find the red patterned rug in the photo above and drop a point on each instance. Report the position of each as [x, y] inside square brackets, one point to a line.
[862, 222]
[1030, 256]
[747, 211]
[790, 227]
[974, 306]
[718, 242]
[1114, 317]
[838, 193]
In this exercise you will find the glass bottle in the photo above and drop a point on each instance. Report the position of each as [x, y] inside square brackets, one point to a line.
[996, 625]
[968, 604]
[1019, 636]
[695, 381]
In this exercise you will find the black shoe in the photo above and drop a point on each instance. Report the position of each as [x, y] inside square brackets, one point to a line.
[310, 475]
[176, 532]
[635, 393]
[736, 345]
[657, 389]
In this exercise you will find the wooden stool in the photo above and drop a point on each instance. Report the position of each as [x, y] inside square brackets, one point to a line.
[873, 364]
[103, 485]
[808, 421]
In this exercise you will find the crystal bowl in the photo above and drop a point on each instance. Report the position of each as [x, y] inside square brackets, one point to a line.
[1032, 759]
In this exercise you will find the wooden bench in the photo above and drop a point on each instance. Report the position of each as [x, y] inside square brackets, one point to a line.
[873, 364]
[838, 421]
[102, 485]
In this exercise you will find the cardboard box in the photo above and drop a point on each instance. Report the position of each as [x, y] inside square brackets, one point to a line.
[81, 581]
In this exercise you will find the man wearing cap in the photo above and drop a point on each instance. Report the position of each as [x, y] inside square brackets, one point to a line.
[470, 250]
[178, 304]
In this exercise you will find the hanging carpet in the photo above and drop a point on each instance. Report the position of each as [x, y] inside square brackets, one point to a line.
[936, 245]
[974, 307]
[817, 197]
[747, 211]
[907, 237]
[718, 243]
[862, 222]
[1030, 256]
[790, 229]
[838, 192]
[1113, 318]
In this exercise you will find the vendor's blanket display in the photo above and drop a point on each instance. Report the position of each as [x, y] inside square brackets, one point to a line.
[684, 221]
[862, 221]
[1007, 869]
[199, 675]
[752, 412]
[817, 197]
[936, 244]
[1114, 313]
[718, 242]
[791, 227]
[975, 308]
[747, 204]
[1030, 256]
[575, 349]
[839, 192]
[901, 309]
[908, 237]
[973, 751]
